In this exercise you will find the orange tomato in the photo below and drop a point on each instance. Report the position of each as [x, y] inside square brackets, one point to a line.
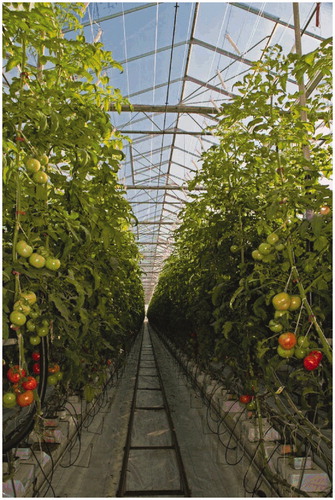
[287, 340]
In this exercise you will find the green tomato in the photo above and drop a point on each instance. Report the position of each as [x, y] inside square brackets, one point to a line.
[35, 340]
[303, 342]
[45, 323]
[268, 258]
[279, 247]
[281, 301]
[300, 352]
[281, 314]
[17, 318]
[31, 327]
[285, 353]
[52, 264]
[295, 303]
[272, 239]
[30, 297]
[42, 331]
[32, 165]
[275, 327]
[23, 249]
[9, 399]
[44, 159]
[251, 405]
[59, 375]
[234, 248]
[35, 313]
[37, 260]
[40, 177]
[256, 255]
[22, 306]
[52, 380]
[264, 248]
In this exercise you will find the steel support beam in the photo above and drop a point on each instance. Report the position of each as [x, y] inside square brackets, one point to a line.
[179, 108]
[209, 86]
[164, 132]
[149, 223]
[272, 18]
[149, 89]
[165, 187]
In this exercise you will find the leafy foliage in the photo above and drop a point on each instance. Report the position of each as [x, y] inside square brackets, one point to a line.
[56, 104]
[268, 174]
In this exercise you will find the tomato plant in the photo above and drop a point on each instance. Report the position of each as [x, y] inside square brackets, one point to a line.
[72, 224]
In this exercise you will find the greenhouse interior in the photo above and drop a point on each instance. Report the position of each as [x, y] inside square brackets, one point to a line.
[167, 249]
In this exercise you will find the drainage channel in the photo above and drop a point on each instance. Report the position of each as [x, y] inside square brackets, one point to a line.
[152, 463]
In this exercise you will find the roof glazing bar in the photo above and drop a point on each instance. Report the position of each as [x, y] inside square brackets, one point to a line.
[272, 18]
[113, 16]
[164, 132]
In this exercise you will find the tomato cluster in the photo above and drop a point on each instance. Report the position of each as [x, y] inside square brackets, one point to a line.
[266, 250]
[22, 388]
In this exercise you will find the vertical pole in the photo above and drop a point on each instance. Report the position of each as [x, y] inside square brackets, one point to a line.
[312, 399]
[302, 89]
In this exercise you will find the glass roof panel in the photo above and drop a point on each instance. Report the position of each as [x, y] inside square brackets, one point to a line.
[162, 68]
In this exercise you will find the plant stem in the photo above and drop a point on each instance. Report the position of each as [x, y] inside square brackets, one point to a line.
[303, 295]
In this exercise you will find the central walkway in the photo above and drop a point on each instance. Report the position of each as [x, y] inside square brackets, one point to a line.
[98, 470]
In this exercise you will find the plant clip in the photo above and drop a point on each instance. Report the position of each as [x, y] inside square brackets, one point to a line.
[16, 272]
[14, 327]
[311, 317]
[19, 139]
[280, 389]
[20, 212]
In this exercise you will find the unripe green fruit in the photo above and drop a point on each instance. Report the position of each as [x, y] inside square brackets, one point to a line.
[44, 159]
[257, 255]
[32, 165]
[40, 178]
[52, 264]
[23, 249]
[17, 318]
[272, 238]
[265, 248]
[37, 260]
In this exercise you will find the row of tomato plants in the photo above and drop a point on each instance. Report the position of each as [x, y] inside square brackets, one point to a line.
[248, 284]
[70, 262]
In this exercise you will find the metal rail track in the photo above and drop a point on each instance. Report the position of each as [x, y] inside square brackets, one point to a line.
[149, 410]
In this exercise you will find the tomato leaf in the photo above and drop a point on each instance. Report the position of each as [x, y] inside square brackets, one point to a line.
[227, 328]
[60, 305]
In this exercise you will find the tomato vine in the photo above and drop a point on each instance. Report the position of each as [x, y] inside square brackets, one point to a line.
[262, 227]
[66, 221]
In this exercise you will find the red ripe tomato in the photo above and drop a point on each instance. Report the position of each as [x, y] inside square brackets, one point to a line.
[15, 373]
[36, 368]
[53, 368]
[25, 399]
[245, 399]
[30, 383]
[317, 354]
[287, 340]
[311, 362]
[35, 356]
